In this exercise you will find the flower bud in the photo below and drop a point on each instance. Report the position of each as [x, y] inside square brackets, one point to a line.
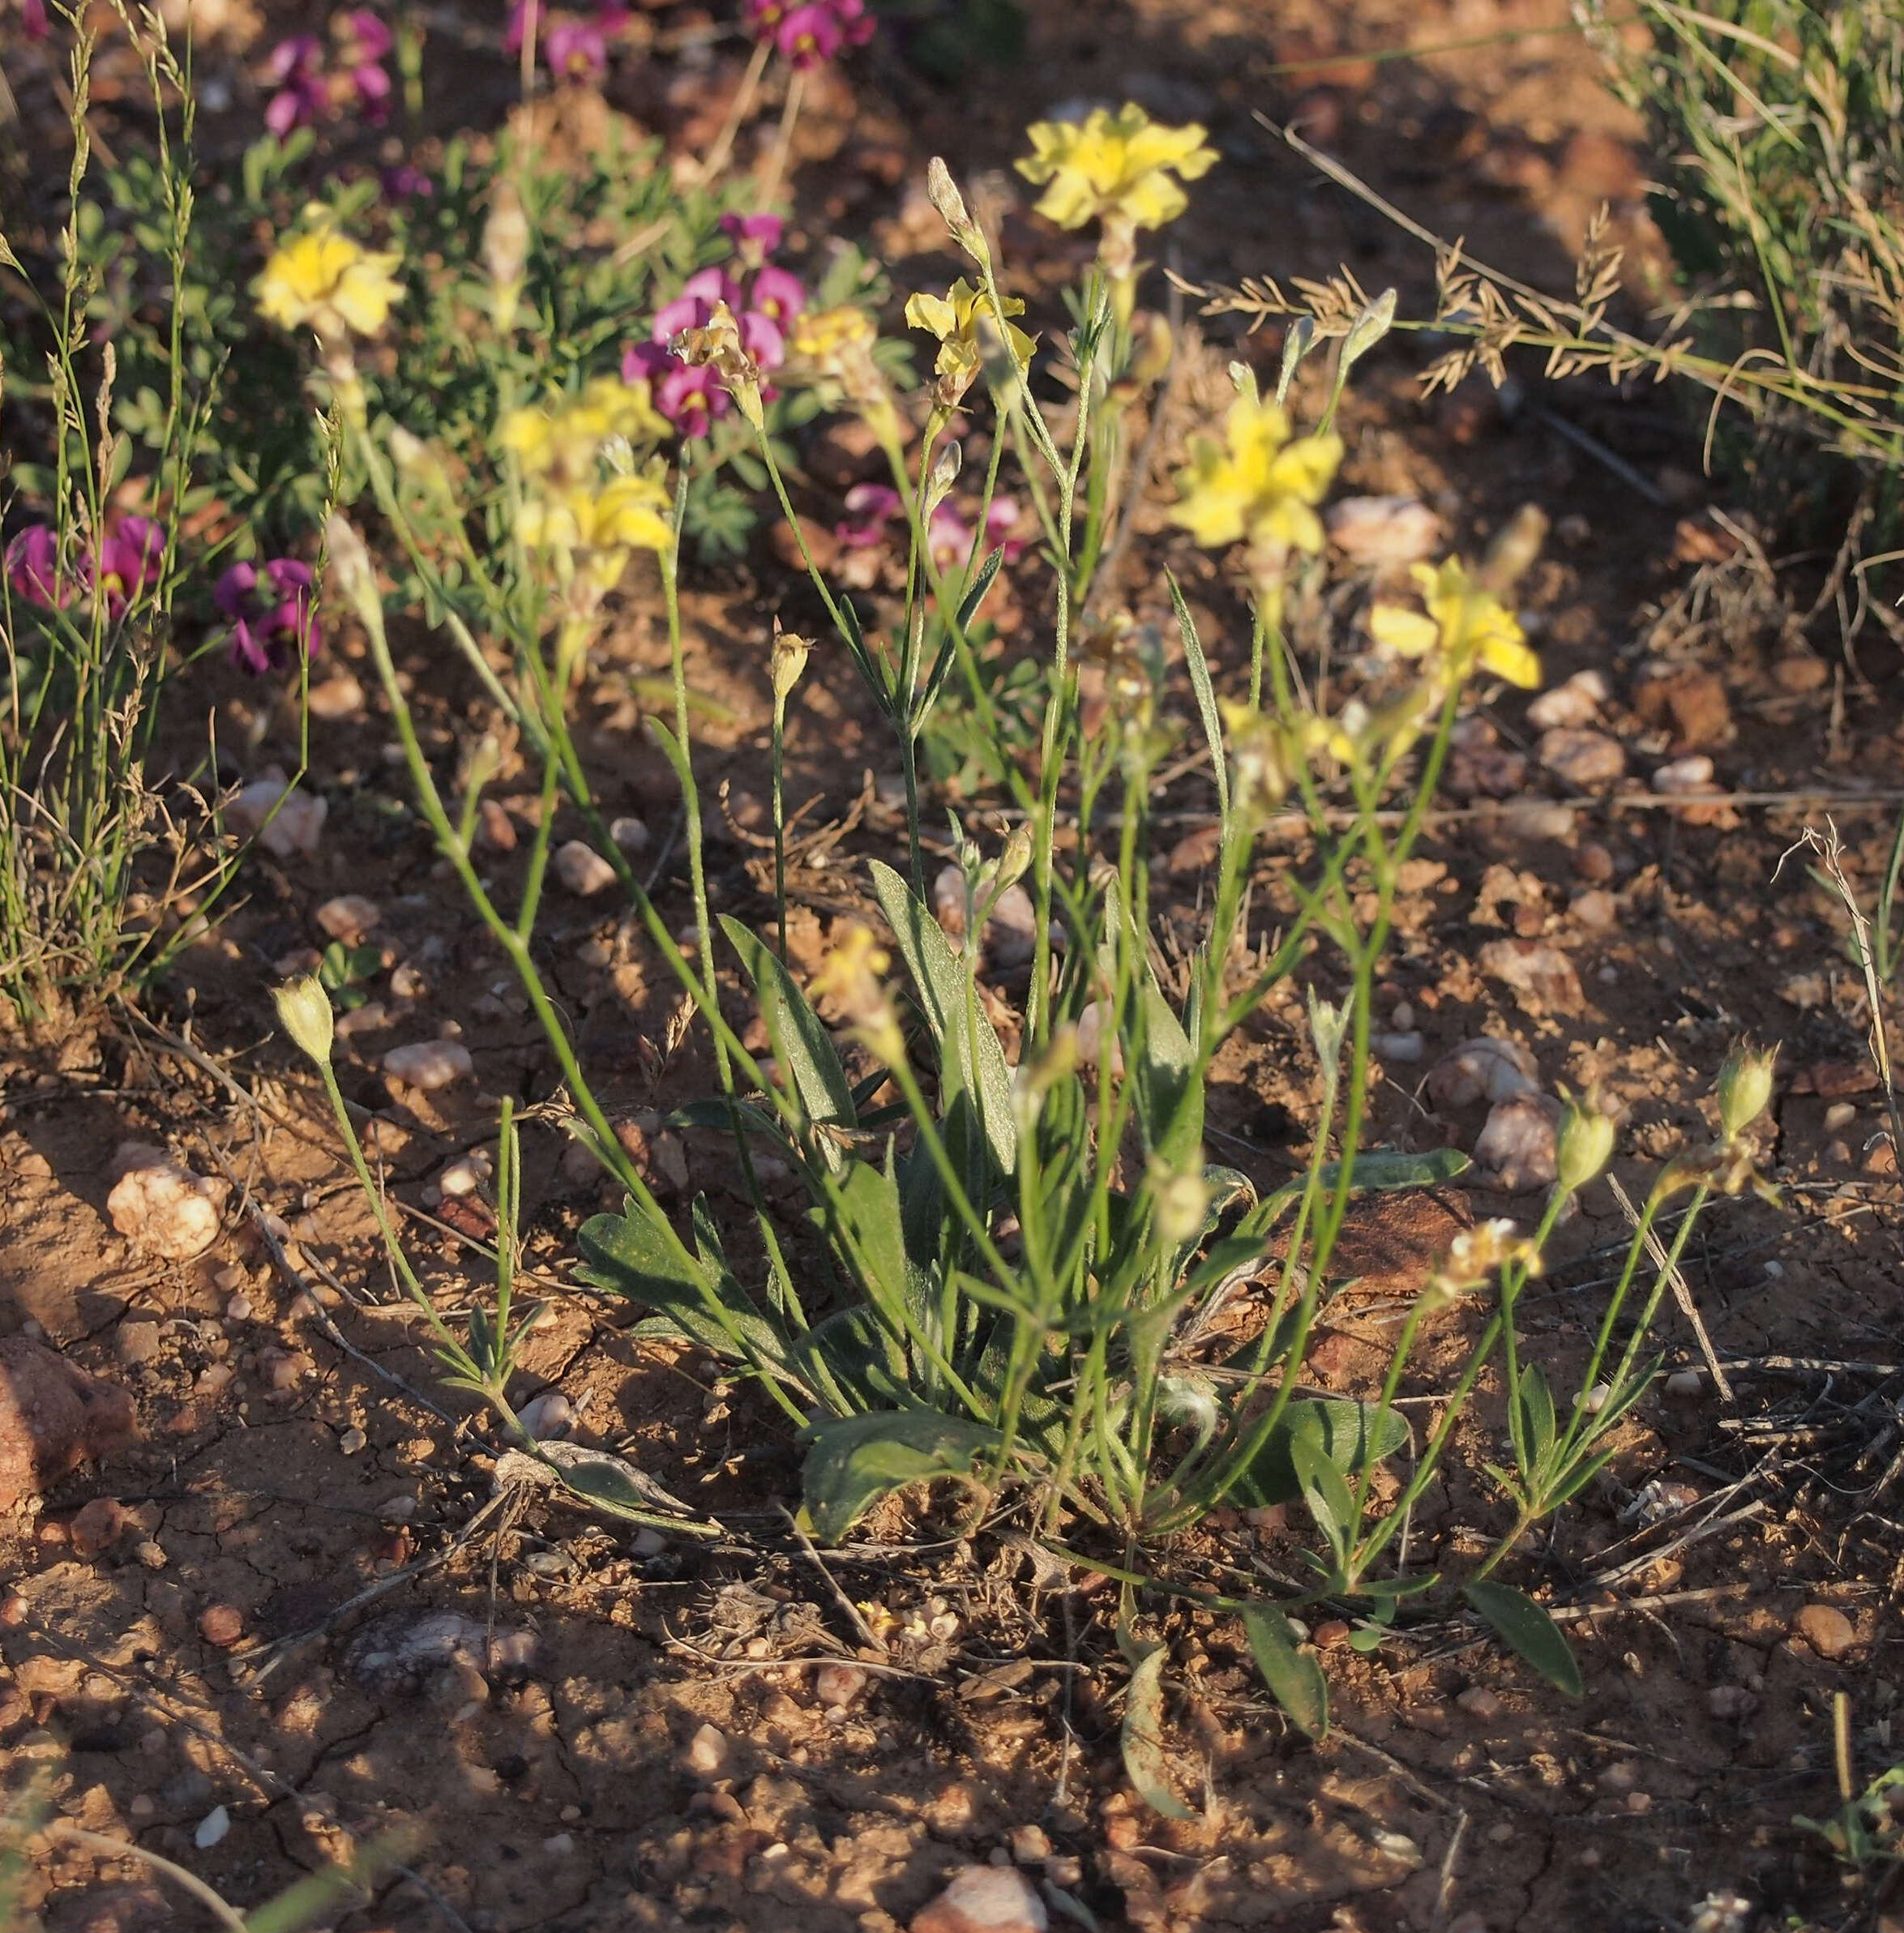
[1511, 555]
[1180, 1202]
[785, 663]
[944, 474]
[943, 192]
[1584, 1144]
[1744, 1087]
[349, 561]
[505, 250]
[1015, 858]
[304, 1011]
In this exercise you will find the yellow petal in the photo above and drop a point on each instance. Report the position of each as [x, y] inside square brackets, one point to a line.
[1396, 628]
[932, 312]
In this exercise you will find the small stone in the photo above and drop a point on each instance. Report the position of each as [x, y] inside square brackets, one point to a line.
[648, 1542]
[1839, 1116]
[1518, 1144]
[1485, 1069]
[136, 1342]
[221, 1624]
[429, 1064]
[367, 1019]
[1030, 1845]
[1407, 1048]
[1595, 864]
[238, 1308]
[1680, 776]
[1543, 977]
[583, 869]
[284, 821]
[1582, 757]
[349, 918]
[495, 830]
[285, 1369]
[706, 1752]
[338, 696]
[1383, 532]
[1331, 1633]
[837, 1685]
[1684, 1382]
[1570, 705]
[1540, 819]
[151, 1554]
[1595, 909]
[1689, 702]
[984, 1898]
[211, 1829]
[96, 1527]
[1478, 1702]
[467, 1174]
[162, 1207]
[548, 1415]
[1730, 1701]
[14, 1611]
[1804, 991]
[1826, 1629]
[54, 1417]
[631, 834]
[1622, 1776]
[1799, 672]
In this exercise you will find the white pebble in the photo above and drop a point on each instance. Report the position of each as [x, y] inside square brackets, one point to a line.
[985, 1899]
[837, 1685]
[339, 696]
[1841, 1113]
[350, 917]
[466, 1174]
[1382, 531]
[367, 1019]
[162, 1207]
[706, 1752]
[547, 1415]
[211, 1829]
[429, 1064]
[1692, 774]
[1409, 1047]
[352, 1441]
[1683, 1383]
[1518, 1144]
[631, 834]
[1596, 1399]
[583, 869]
[1577, 702]
[296, 825]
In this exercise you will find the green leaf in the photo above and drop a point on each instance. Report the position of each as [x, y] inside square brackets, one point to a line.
[1374, 1172]
[851, 1461]
[871, 1238]
[1142, 1736]
[628, 1255]
[1294, 1677]
[800, 1042]
[981, 584]
[1206, 695]
[1324, 1488]
[970, 1058]
[1536, 1416]
[1345, 1432]
[1169, 1096]
[1529, 1632]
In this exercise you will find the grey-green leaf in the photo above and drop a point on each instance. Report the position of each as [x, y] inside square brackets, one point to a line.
[1142, 1737]
[1347, 1433]
[851, 1461]
[795, 1030]
[970, 1057]
[1206, 695]
[1294, 1678]
[1527, 1629]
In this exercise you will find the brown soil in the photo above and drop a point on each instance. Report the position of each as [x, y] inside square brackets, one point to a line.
[304, 1500]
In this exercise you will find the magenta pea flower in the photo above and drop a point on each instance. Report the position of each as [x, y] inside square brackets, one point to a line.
[755, 237]
[32, 568]
[129, 561]
[764, 17]
[576, 50]
[692, 400]
[35, 21]
[810, 36]
[296, 70]
[406, 182]
[871, 507]
[272, 618]
[777, 295]
[363, 44]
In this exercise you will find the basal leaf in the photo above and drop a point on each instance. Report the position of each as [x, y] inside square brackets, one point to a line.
[1142, 1737]
[1294, 1678]
[799, 1040]
[1345, 1431]
[970, 1058]
[1527, 1629]
[851, 1461]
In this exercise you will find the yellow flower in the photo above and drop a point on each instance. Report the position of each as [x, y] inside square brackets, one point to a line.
[1258, 483]
[596, 528]
[850, 975]
[1466, 627]
[324, 281]
[1122, 168]
[829, 339]
[566, 438]
[957, 319]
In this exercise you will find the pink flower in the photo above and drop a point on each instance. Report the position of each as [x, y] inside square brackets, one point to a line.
[34, 21]
[1000, 520]
[32, 568]
[692, 400]
[776, 295]
[272, 618]
[809, 35]
[363, 42]
[518, 29]
[576, 50]
[296, 68]
[764, 17]
[755, 237]
[129, 561]
[406, 182]
[873, 506]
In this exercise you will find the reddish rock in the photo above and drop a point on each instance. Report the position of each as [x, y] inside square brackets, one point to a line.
[1542, 978]
[98, 1525]
[1833, 1080]
[1689, 702]
[54, 1417]
[984, 1898]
